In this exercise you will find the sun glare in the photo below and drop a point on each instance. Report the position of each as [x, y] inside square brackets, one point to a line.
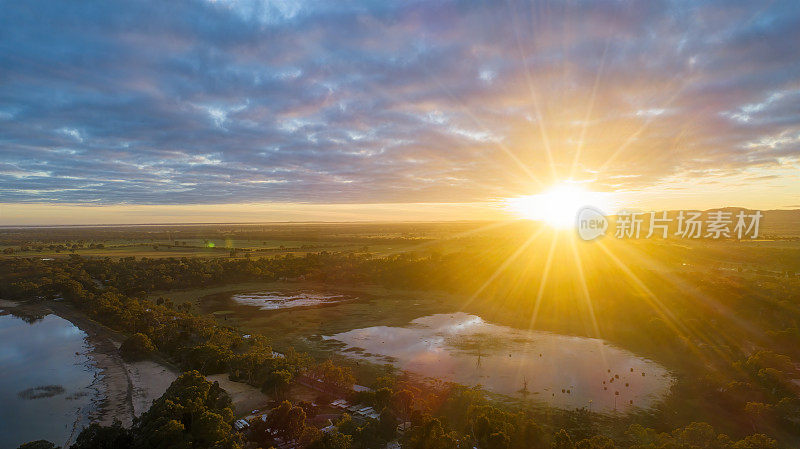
[558, 206]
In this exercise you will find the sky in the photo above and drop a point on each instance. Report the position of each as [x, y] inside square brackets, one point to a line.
[266, 110]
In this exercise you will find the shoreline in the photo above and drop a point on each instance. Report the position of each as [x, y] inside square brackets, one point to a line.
[127, 388]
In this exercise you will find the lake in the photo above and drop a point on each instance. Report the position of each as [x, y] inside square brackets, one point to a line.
[47, 383]
[558, 370]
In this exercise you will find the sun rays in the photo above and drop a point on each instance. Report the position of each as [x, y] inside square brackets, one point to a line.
[552, 280]
[559, 205]
[549, 275]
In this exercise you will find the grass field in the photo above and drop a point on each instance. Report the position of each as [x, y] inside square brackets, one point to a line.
[219, 240]
[301, 328]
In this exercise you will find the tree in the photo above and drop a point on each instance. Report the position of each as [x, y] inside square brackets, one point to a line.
[430, 434]
[368, 436]
[530, 435]
[340, 377]
[561, 440]
[251, 365]
[208, 358]
[756, 441]
[387, 424]
[38, 444]
[382, 398]
[695, 435]
[193, 412]
[98, 437]
[402, 401]
[285, 421]
[278, 383]
[596, 442]
[757, 411]
[482, 428]
[136, 347]
[332, 440]
[498, 440]
[643, 436]
[346, 425]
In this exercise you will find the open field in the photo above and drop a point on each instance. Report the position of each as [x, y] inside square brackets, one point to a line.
[257, 240]
[779, 229]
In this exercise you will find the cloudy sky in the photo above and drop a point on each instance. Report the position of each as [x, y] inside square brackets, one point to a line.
[161, 110]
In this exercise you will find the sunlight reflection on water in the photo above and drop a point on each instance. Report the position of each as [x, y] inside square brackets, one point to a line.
[464, 348]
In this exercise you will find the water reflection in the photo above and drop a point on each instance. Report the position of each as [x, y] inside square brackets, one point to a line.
[46, 382]
[563, 371]
[278, 300]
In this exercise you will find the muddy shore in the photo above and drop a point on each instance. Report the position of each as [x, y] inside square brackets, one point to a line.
[129, 387]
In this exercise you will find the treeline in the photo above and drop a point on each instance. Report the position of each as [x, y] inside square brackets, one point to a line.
[56, 247]
[192, 342]
[195, 413]
[133, 276]
[366, 233]
[458, 417]
[714, 319]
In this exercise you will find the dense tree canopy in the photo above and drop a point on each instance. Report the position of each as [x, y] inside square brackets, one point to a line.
[756, 386]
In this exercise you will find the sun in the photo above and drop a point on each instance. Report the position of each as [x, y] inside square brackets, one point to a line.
[557, 206]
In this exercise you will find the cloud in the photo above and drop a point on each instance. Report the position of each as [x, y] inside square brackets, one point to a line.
[324, 102]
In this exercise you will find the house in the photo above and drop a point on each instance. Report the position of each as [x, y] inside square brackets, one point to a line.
[240, 424]
[340, 403]
[354, 408]
[402, 428]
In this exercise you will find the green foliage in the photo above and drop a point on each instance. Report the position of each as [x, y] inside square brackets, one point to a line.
[38, 444]
[372, 433]
[387, 424]
[562, 440]
[429, 433]
[756, 441]
[346, 425]
[693, 436]
[277, 383]
[98, 437]
[596, 442]
[339, 377]
[755, 393]
[333, 440]
[192, 413]
[286, 422]
[136, 347]
[497, 440]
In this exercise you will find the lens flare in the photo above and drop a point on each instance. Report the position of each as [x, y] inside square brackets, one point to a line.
[558, 206]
